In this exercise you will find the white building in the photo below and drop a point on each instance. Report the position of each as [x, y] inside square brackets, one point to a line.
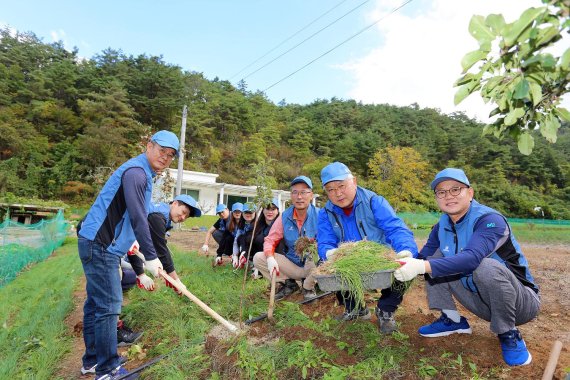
[208, 193]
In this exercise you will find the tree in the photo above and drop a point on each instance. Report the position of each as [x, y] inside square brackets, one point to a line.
[523, 79]
[399, 175]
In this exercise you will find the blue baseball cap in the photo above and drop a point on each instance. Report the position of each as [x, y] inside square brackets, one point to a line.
[248, 208]
[166, 139]
[275, 202]
[447, 174]
[336, 171]
[221, 207]
[190, 202]
[237, 207]
[302, 179]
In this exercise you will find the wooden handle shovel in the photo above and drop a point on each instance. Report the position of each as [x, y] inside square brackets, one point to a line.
[272, 297]
[202, 305]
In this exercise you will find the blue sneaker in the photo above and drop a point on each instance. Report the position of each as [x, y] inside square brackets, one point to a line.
[445, 326]
[118, 373]
[514, 348]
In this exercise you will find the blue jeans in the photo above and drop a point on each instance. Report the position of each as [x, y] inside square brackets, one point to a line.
[102, 306]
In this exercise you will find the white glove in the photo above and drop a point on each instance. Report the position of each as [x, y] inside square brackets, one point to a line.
[153, 266]
[410, 269]
[235, 261]
[145, 282]
[125, 264]
[219, 260]
[403, 254]
[272, 266]
[242, 260]
[330, 253]
[205, 248]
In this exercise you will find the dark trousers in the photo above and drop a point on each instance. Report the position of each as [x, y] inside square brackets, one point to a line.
[389, 300]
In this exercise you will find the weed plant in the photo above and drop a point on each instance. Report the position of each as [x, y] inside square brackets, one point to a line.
[353, 261]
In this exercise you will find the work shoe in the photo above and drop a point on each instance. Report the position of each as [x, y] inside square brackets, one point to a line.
[309, 294]
[126, 336]
[386, 321]
[445, 326]
[255, 274]
[288, 288]
[514, 348]
[90, 370]
[354, 314]
[117, 373]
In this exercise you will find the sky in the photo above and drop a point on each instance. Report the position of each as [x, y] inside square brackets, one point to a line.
[295, 50]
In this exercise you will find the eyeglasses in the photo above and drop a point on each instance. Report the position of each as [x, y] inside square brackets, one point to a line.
[165, 152]
[336, 190]
[454, 191]
[301, 193]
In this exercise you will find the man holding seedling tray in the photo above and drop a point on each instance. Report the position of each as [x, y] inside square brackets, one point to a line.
[473, 257]
[353, 213]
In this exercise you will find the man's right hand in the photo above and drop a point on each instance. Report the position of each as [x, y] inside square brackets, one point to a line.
[145, 282]
[272, 266]
[330, 253]
[205, 248]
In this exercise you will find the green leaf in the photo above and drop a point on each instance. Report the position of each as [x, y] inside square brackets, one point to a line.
[481, 32]
[525, 143]
[531, 61]
[565, 59]
[496, 22]
[562, 113]
[514, 30]
[548, 61]
[535, 93]
[548, 36]
[521, 89]
[513, 116]
[494, 112]
[464, 91]
[549, 128]
[465, 79]
[471, 58]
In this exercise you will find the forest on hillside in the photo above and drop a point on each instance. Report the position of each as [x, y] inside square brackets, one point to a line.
[67, 122]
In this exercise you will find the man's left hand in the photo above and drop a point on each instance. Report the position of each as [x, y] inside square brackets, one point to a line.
[410, 269]
[403, 254]
[153, 266]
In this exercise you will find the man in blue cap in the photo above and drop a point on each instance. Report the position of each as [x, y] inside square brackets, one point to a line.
[472, 255]
[160, 219]
[218, 229]
[117, 218]
[299, 220]
[353, 213]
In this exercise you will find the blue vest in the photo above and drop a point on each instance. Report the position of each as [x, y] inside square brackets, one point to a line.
[164, 209]
[108, 222]
[291, 232]
[363, 218]
[224, 223]
[454, 238]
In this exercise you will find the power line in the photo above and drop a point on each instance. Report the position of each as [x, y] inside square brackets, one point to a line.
[287, 39]
[306, 39]
[342, 43]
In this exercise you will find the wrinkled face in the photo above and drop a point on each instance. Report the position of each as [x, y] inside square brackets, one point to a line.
[453, 198]
[248, 216]
[179, 211]
[224, 214]
[301, 196]
[159, 157]
[342, 193]
[270, 213]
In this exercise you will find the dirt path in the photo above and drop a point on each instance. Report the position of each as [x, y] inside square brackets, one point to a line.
[550, 265]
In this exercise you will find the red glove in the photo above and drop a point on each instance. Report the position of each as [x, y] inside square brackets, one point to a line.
[242, 260]
[170, 285]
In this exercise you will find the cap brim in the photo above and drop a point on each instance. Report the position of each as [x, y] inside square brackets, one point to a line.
[338, 178]
[300, 181]
[436, 182]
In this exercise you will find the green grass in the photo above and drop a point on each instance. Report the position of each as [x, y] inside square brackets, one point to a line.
[32, 310]
[202, 221]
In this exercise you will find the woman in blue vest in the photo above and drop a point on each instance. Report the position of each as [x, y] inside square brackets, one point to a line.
[473, 257]
[353, 213]
[244, 231]
[227, 241]
[218, 229]
[117, 218]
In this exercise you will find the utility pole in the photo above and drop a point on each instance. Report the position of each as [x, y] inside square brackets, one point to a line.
[182, 150]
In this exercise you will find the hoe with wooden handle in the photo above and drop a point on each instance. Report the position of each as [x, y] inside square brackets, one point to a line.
[197, 301]
[272, 297]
